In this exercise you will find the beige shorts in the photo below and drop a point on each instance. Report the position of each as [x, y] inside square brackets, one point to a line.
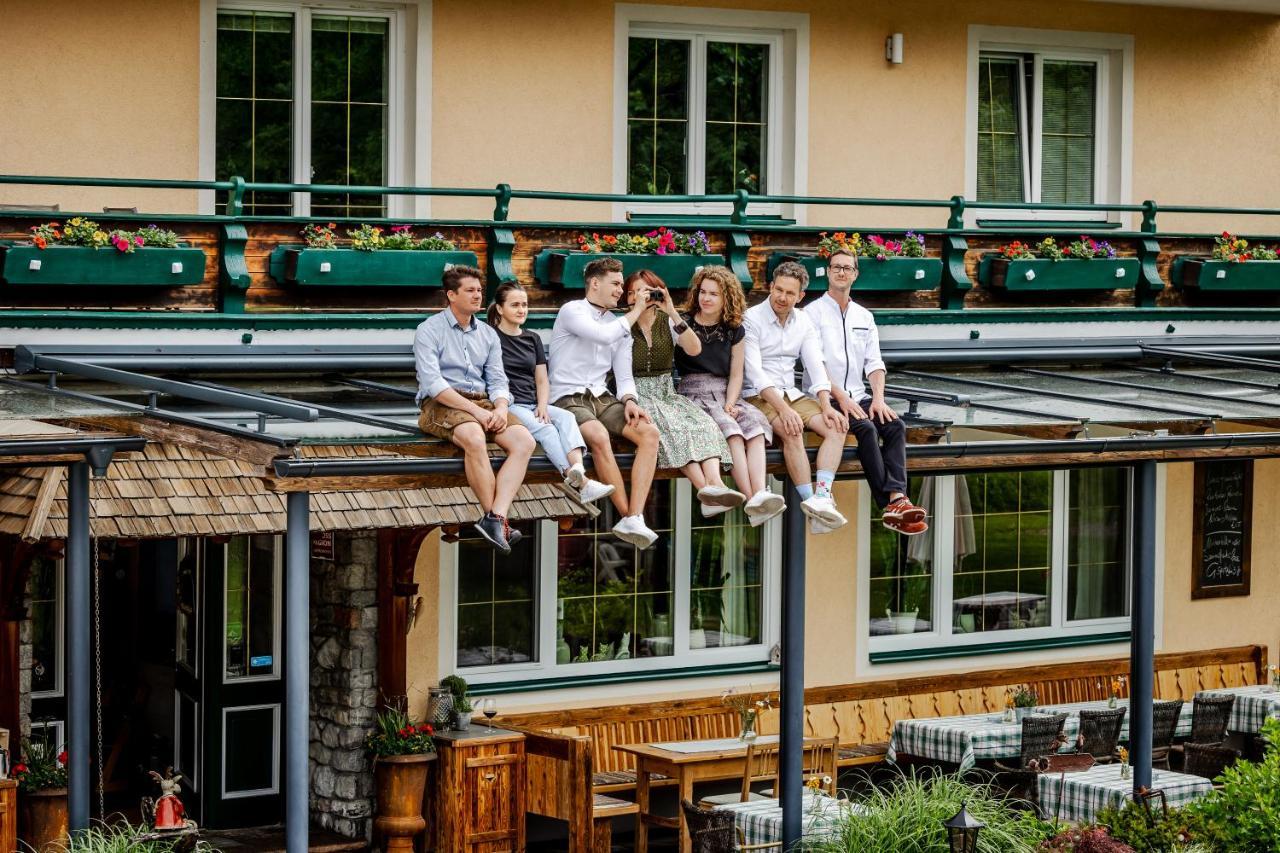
[437, 419]
[805, 407]
[606, 409]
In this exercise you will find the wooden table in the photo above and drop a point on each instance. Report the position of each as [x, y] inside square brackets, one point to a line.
[713, 760]
[8, 815]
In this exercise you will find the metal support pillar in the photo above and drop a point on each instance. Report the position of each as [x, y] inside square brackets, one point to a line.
[1142, 651]
[79, 618]
[791, 766]
[297, 668]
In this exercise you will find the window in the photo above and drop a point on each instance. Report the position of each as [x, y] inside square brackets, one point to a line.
[1023, 554]
[573, 600]
[1049, 120]
[46, 627]
[305, 97]
[252, 602]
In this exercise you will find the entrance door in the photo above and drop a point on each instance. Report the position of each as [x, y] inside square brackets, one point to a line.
[230, 712]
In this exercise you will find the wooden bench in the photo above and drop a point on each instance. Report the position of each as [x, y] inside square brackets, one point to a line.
[558, 785]
[861, 715]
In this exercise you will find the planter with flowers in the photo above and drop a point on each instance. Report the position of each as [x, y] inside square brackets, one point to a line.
[42, 797]
[82, 253]
[1234, 265]
[371, 257]
[401, 749]
[1083, 264]
[884, 264]
[672, 255]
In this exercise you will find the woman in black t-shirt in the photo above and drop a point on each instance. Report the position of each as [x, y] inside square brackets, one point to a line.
[525, 362]
[713, 380]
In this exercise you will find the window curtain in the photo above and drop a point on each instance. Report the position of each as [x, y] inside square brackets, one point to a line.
[1091, 554]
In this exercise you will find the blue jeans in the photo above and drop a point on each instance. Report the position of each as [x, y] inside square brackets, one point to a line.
[556, 438]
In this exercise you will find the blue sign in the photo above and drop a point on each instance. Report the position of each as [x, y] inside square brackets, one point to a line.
[260, 660]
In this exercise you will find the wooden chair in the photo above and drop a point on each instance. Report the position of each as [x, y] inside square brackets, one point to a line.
[1207, 760]
[818, 761]
[710, 831]
[1100, 732]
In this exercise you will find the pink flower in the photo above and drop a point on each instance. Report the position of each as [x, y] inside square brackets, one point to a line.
[138, 241]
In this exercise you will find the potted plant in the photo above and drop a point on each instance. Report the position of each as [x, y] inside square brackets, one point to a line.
[80, 252]
[371, 258]
[1234, 265]
[461, 704]
[401, 748]
[673, 255]
[884, 264]
[42, 795]
[1083, 264]
[1024, 702]
[914, 591]
[748, 706]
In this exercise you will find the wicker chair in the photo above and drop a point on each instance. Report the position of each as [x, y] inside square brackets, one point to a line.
[1207, 760]
[1041, 737]
[1100, 732]
[1209, 715]
[1164, 722]
[711, 831]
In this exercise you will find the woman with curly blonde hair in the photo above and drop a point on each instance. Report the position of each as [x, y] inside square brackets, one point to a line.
[713, 379]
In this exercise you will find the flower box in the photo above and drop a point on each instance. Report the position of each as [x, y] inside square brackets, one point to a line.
[874, 276]
[1208, 274]
[563, 268]
[83, 265]
[356, 268]
[1039, 274]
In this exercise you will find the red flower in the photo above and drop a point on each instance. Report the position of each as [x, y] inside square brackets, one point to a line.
[62, 757]
[19, 768]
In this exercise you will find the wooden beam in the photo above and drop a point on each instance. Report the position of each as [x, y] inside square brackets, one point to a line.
[44, 501]
[208, 441]
[397, 556]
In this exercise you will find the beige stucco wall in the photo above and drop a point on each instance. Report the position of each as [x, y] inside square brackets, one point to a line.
[102, 90]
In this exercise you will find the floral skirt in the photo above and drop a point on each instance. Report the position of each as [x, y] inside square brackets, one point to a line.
[709, 392]
[685, 432]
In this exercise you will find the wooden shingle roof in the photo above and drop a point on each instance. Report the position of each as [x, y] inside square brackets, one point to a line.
[170, 490]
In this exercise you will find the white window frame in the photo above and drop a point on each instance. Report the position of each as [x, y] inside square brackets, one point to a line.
[274, 707]
[199, 550]
[277, 563]
[408, 96]
[942, 635]
[60, 635]
[787, 34]
[192, 775]
[682, 655]
[1113, 139]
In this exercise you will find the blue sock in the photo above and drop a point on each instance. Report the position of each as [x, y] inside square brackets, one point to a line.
[805, 491]
[825, 479]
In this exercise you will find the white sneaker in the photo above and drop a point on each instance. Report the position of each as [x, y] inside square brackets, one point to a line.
[720, 496]
[817, 527]
[634, 531]
[823, 508]
[593, 490]
[576, 476]
[763, 506]
[709, 511]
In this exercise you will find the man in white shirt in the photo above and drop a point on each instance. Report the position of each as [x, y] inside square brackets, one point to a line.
[777, 334]
[851, 350]
[587, 341]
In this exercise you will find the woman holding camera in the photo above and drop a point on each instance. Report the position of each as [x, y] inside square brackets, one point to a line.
[687, 438]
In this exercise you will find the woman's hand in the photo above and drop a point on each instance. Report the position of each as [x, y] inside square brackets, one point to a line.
[541, 415]
[732, 409]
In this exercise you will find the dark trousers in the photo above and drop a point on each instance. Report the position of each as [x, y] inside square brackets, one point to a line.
[882, 450]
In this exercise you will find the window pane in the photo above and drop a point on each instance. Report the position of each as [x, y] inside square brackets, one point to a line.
[250, 606]
[615, 602]
[901, 592]
[497, 600]
[254, 118]
[1000, 142]
[1067, 138]
[348, 112]
[1002, 551]
[736, 128]
[1097, 549]
[726, 593]
[657, 115]
[46, 639]
[188, 592]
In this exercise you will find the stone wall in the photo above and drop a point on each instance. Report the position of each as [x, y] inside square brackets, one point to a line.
[25, 657]
[344, 689]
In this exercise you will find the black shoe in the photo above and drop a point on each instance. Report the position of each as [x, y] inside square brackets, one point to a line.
[513, 535]
[493, 529]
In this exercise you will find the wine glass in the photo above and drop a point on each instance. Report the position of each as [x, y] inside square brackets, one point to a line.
[490, 709]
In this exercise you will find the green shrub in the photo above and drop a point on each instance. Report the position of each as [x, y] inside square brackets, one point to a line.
[1155, 832]
[122, 838]
[1245, 811]
[908, 819]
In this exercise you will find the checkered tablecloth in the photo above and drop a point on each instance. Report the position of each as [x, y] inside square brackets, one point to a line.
[1081, 795]
[1253, 705]
[760, 821]
[964, 740]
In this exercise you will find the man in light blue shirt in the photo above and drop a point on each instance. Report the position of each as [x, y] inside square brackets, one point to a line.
[462, 392]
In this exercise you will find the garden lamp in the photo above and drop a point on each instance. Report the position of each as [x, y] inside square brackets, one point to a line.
[962, 832]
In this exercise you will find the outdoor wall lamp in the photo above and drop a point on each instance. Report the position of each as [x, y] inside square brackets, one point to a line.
[893, 48]
[962, 832]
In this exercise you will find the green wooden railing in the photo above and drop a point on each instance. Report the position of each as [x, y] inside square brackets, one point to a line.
[738, 224]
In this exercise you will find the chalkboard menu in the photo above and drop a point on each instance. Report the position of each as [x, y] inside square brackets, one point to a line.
[1222, 528]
